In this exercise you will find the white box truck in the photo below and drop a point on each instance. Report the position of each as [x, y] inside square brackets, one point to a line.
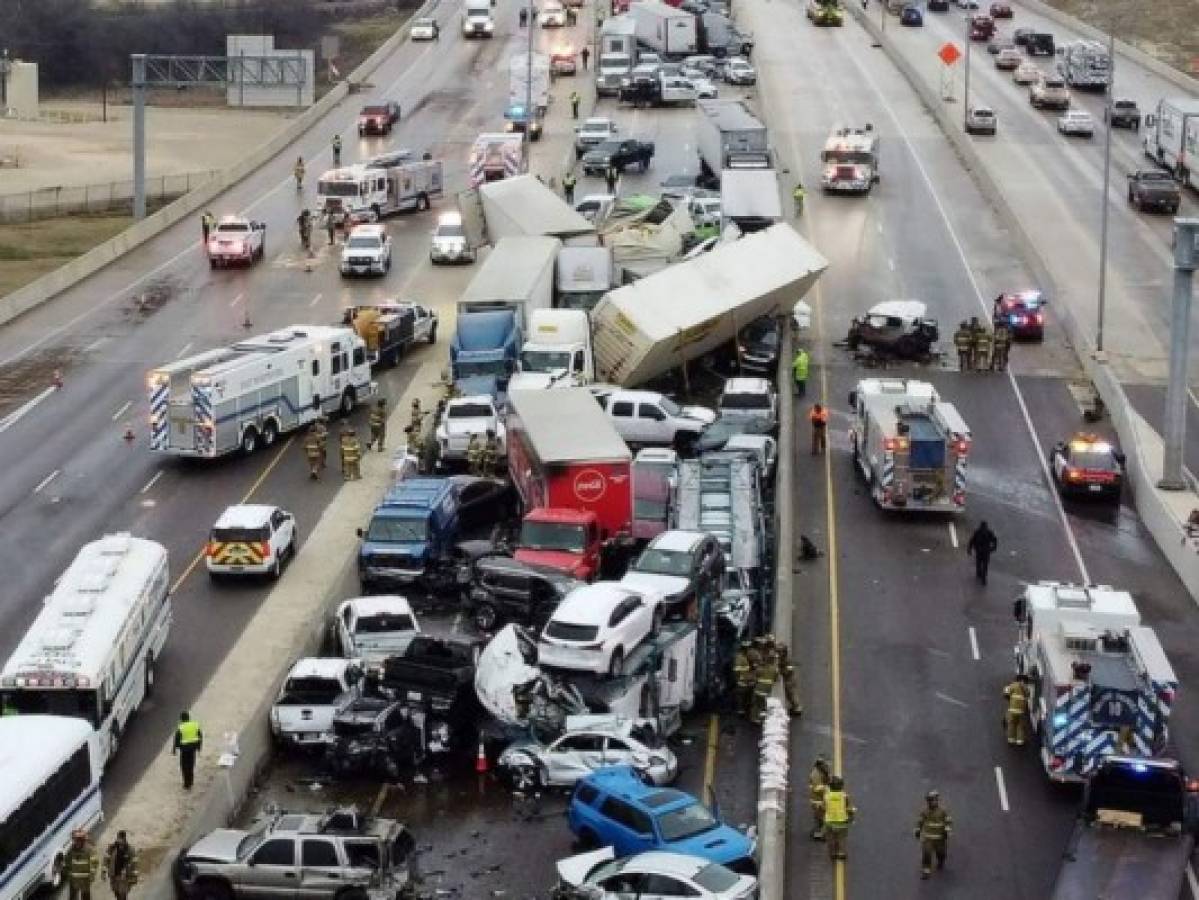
[476, 19]
[519, 72]
[247, 395]
[689, 309]
[749, 199]
[585, 274]
[730, 137]
[1172, 137]
[665, 29]
[517, 275]
[519, 207]
[557, 352]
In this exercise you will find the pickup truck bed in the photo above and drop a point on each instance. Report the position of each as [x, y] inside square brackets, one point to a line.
[1109, 862]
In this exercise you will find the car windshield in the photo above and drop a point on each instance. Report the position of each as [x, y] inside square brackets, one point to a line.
[1054, 83]
[384, 623]
[1156, 176]
[240, 535]
[680, 824]
[745, 401]
[1092, 459]
[715, 878]
[470, 411]
[311, 690]
[425, 23]
[568, 631]
[553, 536]
[450, 230]
[392, 530]
[374, 110]
[847, 157]
[544, 360]
[363, 242]
[338, 189]
[233, 227]
[663, 562]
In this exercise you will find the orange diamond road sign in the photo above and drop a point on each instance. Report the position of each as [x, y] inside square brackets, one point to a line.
[949, 53]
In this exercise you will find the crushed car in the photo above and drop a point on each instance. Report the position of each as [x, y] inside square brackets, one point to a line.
[895, 328]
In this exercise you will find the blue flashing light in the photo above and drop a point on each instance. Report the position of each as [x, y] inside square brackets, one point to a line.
[1060, 720]
[1140, 768]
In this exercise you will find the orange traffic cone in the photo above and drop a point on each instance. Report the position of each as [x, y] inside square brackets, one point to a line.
[481, 764]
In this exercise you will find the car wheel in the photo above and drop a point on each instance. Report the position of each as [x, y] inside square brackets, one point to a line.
[485, 617]
[348, 399]
[249, 440]
[270, 432]
[525, 777]
[277, 568]
[209, 889]
[149, 676]
[616, 663]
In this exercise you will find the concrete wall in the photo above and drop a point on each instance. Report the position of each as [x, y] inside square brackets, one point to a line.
[80, 268]
[297, 68]
[1163, 512]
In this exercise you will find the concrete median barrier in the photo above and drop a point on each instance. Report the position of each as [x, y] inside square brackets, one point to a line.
[65, 277]
[1164, 513]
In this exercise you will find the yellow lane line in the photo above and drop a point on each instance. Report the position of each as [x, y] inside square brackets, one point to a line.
[270, 467]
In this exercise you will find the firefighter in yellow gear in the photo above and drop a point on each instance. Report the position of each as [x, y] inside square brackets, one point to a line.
[351, 454]
[982, 349]
[414, 420]
[1003, 343]
[787, 673]
[314, 453]
[743, 677]
[963, 342]
[766, 673]
[474, 455]
[491, 451]
[818, 780]
[933, 828]
[378, 424]
[322, 432]
[120, 866]
[1017, 711]
[839, 813]
[80, 864]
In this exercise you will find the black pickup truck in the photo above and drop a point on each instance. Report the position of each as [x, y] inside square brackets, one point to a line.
[1135, 833]
[1155, 190]
[619, 155]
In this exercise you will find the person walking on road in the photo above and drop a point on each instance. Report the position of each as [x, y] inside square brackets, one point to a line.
[787, 674]
[322, 432]
[378, 425]
[797, 197]
[766, 673]
[337, 149]
[207, 223]
[574, 104]
[963, 342]
[474, 455]
[313, 453]
[743, 678]
[80, 865]
[819, 419]
[330, 227]
[1003, 343]
[189, 740]
[932, 830]
[120, 866]
[351, 454]
[1016, 694]
[799, 368]
[839, 813]
[981, 545]
[304, 223]
[818, 780]
[982, 349]
[585, 55]
[298, 171]
[610, 177]
[568, 187]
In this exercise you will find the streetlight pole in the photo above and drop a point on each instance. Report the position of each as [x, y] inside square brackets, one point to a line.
[1107, 176]
[966, 100]
[528, 137]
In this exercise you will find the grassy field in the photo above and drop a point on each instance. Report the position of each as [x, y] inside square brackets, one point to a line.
[30, 250]
[1168, 29]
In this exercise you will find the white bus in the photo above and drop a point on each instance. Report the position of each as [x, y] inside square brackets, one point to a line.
[91, 651]
[50, 787]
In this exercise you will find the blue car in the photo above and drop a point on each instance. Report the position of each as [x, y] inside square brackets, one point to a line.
[911, 16]
[613, 807]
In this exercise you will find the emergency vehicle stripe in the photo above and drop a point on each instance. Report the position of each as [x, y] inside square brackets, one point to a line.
[237, 553]
[959, 475]
[160, 421]
[205, 424]
[888, 473]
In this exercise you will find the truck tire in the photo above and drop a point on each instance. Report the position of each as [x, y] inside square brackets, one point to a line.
[270, 432]
[616, 663]
[422, 202]
[485, 617]
[433, 333]
[249, 440]
[348, 400]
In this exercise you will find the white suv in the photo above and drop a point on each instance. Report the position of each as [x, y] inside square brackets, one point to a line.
[597, 626]
[367, 251]
[464, 417]
[750, 400]
[250, 539]
[647, 417]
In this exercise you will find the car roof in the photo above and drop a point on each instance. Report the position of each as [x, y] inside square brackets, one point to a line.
[319, 667]
[391, 604]
[470, 399]
[903, 309]
[677, 540]
[666, 863]
[624, 782]
[245, 515]
[592, 604]
[368, 229]
[747, 386]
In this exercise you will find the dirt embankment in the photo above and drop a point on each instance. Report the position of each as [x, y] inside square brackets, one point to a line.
[1166, 29]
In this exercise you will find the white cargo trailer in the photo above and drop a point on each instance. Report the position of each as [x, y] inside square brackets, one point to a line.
[518, 275]
[666, 29]
[520, 207]
[691, 308]
[730, 137]
[750, 199]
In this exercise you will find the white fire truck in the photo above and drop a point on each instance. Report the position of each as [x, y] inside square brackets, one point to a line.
[850, 161]
[381, 186]
[245, 396]
[1099, 681]
[494, 157]
[911, 446]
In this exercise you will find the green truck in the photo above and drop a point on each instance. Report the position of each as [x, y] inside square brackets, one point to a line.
[826, 13]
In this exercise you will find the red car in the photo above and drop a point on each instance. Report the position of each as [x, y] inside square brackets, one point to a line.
[1001, 11]
[1023, 312]
[1089, 466]
[378, 118]
[982, 28]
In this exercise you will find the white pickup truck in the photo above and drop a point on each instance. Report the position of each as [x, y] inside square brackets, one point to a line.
[314, 691]
[236, 239]
[463, 417]
[373, 628]
[647, 417]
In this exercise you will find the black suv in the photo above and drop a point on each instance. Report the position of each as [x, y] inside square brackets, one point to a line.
[758, 345]
[505, 590]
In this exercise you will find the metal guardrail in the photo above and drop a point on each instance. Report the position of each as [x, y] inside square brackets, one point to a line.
[112, 196]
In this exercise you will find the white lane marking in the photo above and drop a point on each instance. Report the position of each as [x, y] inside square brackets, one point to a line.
[1002, 788]
[953, 535]
[954, 700]
[315, 300]
[238, 299]
[183, 350]
[96, 344]
[45, 481]
[1192, 882]
[891, 264]
[152, 481]
[124, 409]
[961, 252]
[974, 643]
[21, 411]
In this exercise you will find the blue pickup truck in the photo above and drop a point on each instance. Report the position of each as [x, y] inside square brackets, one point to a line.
[484, 351]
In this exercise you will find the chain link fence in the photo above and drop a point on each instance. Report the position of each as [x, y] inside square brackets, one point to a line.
[110, 197]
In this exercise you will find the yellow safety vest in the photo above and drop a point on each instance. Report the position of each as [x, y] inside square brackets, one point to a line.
[836, 807]
[189, 733]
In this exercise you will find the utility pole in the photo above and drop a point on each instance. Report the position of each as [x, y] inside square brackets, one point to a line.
[1107, 178]
[966, 99]
[1186, 233]
[529, 112]
[138, 83]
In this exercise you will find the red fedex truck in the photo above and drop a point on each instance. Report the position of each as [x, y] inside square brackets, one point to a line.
[573, 473]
